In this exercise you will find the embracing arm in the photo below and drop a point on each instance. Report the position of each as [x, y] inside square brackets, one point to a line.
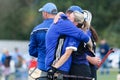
[57, 17]
[63, 58]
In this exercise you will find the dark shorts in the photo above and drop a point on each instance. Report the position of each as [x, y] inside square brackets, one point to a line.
[80, 70]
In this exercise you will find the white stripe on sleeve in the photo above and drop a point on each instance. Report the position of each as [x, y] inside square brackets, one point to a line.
[71, 47]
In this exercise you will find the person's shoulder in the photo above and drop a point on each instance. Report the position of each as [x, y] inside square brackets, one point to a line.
[38, 26]
[63, 16]
[64, 22]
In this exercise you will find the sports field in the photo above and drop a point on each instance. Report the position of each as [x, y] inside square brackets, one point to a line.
[112, 76]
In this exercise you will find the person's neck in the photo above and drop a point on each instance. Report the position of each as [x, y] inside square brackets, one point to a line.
[50, 16]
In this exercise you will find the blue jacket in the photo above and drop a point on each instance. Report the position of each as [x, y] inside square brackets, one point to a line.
[62, 27]
[37, 42]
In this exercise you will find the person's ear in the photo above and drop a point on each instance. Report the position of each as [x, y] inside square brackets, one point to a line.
[46, 14]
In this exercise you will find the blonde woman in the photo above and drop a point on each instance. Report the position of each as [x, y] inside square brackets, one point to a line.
[65, 33]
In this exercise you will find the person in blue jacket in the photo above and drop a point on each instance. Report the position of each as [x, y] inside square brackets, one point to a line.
[64, 27]
[37, 37]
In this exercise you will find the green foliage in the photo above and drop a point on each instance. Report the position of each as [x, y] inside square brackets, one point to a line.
[112, 34]
[18, 17]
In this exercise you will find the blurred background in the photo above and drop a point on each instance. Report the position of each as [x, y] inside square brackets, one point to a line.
[18, 17]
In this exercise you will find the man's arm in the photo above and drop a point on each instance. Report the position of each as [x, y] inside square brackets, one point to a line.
[71, 29]
[63, 58]
[33, 46]
[72, 45]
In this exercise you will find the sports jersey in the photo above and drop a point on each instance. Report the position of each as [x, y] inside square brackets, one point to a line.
[79, 58]
[69, 43]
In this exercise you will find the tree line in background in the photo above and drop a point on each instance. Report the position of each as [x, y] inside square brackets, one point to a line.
[18, 17]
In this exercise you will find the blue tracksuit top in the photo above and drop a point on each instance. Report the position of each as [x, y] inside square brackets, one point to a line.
[62, 27]
[37, 42]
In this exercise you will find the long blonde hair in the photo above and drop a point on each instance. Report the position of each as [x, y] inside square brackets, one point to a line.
[79, 18]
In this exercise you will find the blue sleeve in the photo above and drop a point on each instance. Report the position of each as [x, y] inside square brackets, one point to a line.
[66, 27]
[72, 43]
[37, 43]
[33, 46]
[63, 16]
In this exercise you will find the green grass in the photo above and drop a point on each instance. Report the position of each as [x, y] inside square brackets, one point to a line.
[112, 76]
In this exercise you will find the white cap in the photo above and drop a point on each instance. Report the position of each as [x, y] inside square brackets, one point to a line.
[87, 16]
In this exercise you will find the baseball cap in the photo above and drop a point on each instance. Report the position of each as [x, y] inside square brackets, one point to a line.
[49, 7]
[75, 8]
